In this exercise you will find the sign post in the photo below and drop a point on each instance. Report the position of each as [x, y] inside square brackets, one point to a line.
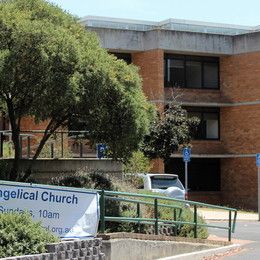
[186, 158]
[258, 180]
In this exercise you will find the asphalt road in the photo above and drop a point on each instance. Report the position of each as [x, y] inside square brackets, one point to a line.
[245, 230]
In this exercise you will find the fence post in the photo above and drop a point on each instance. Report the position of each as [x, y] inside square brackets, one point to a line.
[138, 213]
[229, 226]
[156, 226]
[102, 212]
[52, 150]
[21, 147]
[195, 222]
[175, 224]
[81, 149]
[1, 145]
[28, 147]
[62, 152]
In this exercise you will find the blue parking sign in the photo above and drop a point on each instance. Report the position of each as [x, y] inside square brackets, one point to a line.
[186, 153]
[101, 150]
[258, 159]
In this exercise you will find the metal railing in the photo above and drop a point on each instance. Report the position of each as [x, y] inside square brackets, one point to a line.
[156, 202]
[62, 144]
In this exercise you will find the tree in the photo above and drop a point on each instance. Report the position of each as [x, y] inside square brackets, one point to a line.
[52, 69]
[169, 132]
[119, 114]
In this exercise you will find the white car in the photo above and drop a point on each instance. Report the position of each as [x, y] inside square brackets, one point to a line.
[166, 184]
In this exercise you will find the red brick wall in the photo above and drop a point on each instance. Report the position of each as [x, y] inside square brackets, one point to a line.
[211, 197]
[240, 129]
[240, 77]
[239, 182]
[28, 123]
[150, 64]
[207, 147]
[240, 81]
[151, 70]
[195, 95]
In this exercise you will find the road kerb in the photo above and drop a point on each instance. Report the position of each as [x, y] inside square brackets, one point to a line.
[198, 255]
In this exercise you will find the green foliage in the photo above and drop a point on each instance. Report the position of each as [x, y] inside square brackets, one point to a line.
[167, 214]
[119, 114]
[88, 179]
[55, 140]
[52, 69]
[8, 150]
[138, 163]
[170, 131]
[19, 235]
[4, 170]
[97, 180]
[188, 230]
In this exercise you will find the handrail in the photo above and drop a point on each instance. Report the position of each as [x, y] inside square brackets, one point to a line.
[156, 221]
[201, 204]
[56, 148]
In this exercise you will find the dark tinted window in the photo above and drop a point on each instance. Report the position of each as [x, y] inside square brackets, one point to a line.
[175, 72]
[211, 75]
[209, 123]
[191, 71]
[193, 74]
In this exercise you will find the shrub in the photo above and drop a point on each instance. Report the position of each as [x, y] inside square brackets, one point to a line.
[138, 163]
[91, 179]
[8, 150]
[20, 235]
[184, 230]
[4, 170]
[98, 180]
[88, 179]
[54, 140]
[188, 230]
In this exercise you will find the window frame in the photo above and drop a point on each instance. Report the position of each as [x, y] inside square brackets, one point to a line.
[185, 58]
[202, 111]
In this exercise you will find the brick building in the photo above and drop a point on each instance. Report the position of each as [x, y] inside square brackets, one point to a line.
[214, 71]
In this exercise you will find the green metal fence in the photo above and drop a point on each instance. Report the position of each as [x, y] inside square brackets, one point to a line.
[154, 201]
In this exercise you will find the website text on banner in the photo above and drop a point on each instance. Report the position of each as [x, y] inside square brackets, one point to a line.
[67, 212]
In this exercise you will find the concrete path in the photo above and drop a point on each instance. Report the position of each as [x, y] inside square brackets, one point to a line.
[247, 235]
[215, 214]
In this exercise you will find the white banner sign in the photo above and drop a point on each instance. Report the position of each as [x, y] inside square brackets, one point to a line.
[67, 212]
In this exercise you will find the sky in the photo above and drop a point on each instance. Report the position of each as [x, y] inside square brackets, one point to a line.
[240, 12]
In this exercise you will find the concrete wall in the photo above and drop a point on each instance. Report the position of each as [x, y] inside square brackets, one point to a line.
[191, 42]
[129, 249]
[177, 41]
[128, 246]
[44, 169]
[89, 249]
[245, 43]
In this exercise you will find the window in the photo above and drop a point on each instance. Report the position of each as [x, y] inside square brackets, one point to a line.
[165, 182]
[191, 71]
[208, 129]
[123, 56]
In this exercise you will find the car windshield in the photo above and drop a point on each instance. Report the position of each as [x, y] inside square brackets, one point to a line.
[159, 182]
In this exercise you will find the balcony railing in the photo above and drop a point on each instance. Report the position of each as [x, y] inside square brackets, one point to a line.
[62, 144]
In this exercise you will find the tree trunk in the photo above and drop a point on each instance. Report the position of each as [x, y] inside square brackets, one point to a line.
[15, 126]
[50, 129]
[37, 153]
[14, 173]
